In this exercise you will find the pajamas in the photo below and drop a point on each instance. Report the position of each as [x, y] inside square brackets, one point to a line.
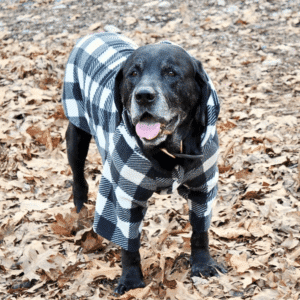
[129, 178]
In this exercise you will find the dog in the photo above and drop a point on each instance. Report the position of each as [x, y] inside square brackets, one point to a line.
[152, 111]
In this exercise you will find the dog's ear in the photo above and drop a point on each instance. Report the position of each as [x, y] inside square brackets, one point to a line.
[118, 89]
[205, 90]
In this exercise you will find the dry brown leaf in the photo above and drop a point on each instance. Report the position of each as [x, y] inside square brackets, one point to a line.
[32, 261]
[171, 26]
[137, 293]
[4, 34]
[290, 242]
[294, 255]
[298, 189]
[180, 292]
[257, 228]
[230, 233]
[89, 241]
[104, 270]
[267, 294]
[152, 3]
[59, 113]
[239, 262]
[95, 26]
[76, 17]
[130, 20]
[226, 126]
[65, 225]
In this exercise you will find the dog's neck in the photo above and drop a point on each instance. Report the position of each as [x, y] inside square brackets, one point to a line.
[171, 155]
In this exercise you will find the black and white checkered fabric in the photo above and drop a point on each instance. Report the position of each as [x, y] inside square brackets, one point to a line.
[129, 178]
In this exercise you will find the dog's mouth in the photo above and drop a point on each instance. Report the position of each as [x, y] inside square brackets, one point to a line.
[150, 130]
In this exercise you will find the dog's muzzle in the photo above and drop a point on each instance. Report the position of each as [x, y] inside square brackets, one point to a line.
[145, 95]
[150, 114]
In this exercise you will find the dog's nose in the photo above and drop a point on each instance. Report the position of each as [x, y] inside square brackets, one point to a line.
[145, 95]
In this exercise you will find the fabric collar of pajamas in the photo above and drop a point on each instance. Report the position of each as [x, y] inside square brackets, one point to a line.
[129, 178]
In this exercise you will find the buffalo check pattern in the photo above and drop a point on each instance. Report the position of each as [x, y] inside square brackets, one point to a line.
[129, 178]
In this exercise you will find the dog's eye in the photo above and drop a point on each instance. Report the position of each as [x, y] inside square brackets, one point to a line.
[171, 73]
[134, 74]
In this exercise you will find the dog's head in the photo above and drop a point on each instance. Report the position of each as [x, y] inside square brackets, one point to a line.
[165, 92]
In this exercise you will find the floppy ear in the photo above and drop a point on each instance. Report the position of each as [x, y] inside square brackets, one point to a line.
[205, 90]
[118, 90]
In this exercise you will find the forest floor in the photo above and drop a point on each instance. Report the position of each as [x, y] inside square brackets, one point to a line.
[250, 49]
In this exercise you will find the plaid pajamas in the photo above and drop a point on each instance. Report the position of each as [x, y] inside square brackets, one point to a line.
[129, 178]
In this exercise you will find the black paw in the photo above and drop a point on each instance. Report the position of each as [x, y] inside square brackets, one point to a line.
[204, 265]
[80, 193]
[132, 278]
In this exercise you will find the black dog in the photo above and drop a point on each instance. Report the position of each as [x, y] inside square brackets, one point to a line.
[165, 94]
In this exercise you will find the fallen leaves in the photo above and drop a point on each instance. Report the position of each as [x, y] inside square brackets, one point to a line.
[137, 293]
[89, 241]
[290, 242]
[130, 20]
[257, 228]
[298, 177]
[43, 137]
[239, 262]
[231, 233]
[250, 53]
[94, 26]
[67, 225]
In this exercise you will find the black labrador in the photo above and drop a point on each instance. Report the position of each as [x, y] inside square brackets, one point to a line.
[161, 86]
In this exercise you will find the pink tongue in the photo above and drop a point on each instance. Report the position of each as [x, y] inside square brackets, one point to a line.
[148, 131]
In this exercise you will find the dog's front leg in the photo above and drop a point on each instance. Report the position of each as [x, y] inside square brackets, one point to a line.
[201, 261]
[77, 148]
[132, 276]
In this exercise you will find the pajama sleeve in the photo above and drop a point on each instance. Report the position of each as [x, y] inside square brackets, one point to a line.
[125, 187]
[201, 191]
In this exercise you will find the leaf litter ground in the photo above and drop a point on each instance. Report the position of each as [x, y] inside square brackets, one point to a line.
[251, 51]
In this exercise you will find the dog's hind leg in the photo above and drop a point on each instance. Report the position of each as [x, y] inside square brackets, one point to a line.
[77, 148]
